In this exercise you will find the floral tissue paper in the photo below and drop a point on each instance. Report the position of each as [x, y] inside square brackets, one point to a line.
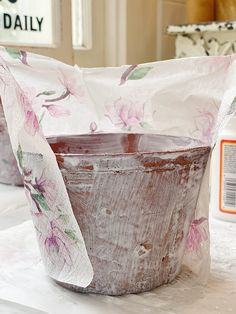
[42, 97]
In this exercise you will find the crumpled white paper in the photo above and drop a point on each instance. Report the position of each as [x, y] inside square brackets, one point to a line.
[43, 97]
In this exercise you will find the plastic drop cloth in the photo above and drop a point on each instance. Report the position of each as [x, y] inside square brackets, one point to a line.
[43, 97]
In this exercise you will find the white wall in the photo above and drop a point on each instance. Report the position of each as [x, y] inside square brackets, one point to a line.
[168, 12]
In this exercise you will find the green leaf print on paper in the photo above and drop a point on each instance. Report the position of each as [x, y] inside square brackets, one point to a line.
[20, 156]
[71, 234]
[17, 54]
[139, 73]
[145, 125]
[46, 93]
[64, 218]
[40, 200]
[13, 52]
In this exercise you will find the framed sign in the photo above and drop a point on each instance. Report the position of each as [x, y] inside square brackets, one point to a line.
[30, 23]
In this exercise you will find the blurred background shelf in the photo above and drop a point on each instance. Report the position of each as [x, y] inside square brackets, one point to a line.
[205, 39]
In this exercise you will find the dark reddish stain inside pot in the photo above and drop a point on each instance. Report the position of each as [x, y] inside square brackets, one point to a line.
[134, 197]
[119, 143]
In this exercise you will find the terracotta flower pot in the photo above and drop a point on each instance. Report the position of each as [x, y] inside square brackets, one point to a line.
[134, 197]
[9, 173]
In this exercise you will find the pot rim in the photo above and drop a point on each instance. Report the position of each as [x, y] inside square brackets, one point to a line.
[198, 145]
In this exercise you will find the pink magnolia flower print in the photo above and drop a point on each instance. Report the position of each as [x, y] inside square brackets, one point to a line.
[29, 99]
[93, 126]
[54, 240]
[31, 123]
[54, 234]
[71, 88]
[57, 111]
[40, 190]
[46, 188]
[197, 234]
[217, 62]
[56, 247]
[30, 104]
[204, 123]
[126, 115]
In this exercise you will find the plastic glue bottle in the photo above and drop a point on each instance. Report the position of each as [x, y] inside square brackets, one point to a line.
[223, 173]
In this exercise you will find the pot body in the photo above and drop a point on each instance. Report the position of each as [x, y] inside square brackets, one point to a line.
[134, 211]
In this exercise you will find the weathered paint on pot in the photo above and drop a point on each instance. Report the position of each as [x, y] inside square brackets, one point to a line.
[134, 197]
[9, 173]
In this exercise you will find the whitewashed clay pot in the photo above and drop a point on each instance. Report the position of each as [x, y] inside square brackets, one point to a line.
[9, 173]
[134, 197]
